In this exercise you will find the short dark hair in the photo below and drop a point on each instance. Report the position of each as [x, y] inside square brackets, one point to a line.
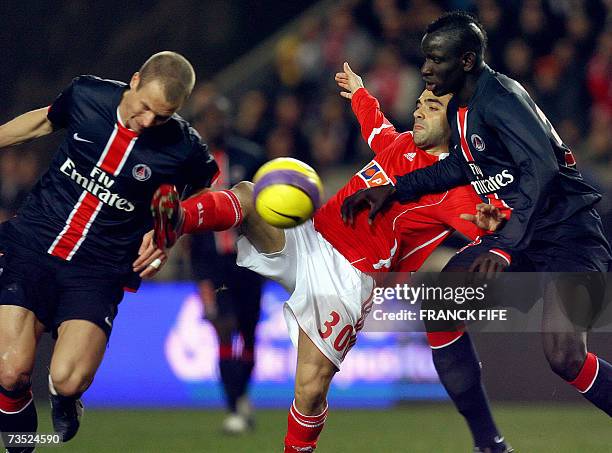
[464, 28]
[173, 71]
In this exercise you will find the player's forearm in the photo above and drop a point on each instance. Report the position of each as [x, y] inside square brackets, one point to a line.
[367, 111]
[25, 127]
[376, 129]
[412, 185]
[436, 178]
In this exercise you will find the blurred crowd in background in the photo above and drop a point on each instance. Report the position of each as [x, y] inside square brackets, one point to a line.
[560, 50]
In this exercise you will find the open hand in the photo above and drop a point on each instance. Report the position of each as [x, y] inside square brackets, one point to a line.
[376, 197]
[487, 217]
[348, 81]
[150, 259]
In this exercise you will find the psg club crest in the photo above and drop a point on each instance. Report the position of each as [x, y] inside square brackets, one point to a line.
[141, 172]
[478, 142]
[374, 175]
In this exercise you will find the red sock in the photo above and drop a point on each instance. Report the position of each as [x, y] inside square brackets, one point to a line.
[226, 351]
[14, 402]
[303, 430]
[587, 375]
[438, 340]
[212, 211]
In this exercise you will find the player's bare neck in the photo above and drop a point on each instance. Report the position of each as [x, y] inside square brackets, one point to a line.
[466, 92]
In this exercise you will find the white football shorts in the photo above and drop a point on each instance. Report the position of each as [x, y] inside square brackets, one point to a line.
[329, 297]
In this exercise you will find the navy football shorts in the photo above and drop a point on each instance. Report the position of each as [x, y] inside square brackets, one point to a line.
[57, 291]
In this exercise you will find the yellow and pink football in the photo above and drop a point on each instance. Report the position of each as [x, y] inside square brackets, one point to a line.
[287, 192]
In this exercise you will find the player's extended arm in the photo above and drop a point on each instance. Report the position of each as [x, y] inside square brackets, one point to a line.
[439, 177]
[526, 139]
[25, 127]
[376, 129]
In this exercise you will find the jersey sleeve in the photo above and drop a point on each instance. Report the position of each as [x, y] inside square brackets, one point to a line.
[526, 139]
[59, 111]
[200, 170]
[376, 130]
[439, 177]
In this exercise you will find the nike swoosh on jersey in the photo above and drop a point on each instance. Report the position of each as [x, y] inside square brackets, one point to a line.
[79, 139]
[108, 321]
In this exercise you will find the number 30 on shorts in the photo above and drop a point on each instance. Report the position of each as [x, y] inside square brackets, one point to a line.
[343, 337]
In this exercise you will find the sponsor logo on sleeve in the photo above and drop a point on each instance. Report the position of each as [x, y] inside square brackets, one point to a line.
[373, 175]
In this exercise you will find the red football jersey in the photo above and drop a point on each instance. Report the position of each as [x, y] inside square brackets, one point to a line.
[404, 235]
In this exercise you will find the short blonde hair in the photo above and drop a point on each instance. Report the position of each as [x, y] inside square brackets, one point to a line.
[173, 71]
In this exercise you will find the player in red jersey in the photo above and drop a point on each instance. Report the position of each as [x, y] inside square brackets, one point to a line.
[324, 263]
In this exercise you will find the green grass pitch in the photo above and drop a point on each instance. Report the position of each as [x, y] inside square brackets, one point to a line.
[426, 428]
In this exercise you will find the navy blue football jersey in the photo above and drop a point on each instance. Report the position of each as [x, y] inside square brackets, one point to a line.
[92, 204]
[504, 145]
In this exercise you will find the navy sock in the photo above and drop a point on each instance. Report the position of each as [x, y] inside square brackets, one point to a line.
[459, 371]
[595, 382]
[600, 394]
[247, 363]
[17, 414]
[246, 369]
[231, 376]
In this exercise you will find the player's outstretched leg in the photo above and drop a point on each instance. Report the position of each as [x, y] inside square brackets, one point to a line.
[458, 367]
[212, 211]
[209, 211]
[19, 334]
[565, 344]
[308, 411]
[77, 355]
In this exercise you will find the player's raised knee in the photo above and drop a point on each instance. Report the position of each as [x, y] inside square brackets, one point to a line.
[69, 381]
[244, 191]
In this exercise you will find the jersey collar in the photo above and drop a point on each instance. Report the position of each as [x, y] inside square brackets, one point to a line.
[123, 126]
[484, 77]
